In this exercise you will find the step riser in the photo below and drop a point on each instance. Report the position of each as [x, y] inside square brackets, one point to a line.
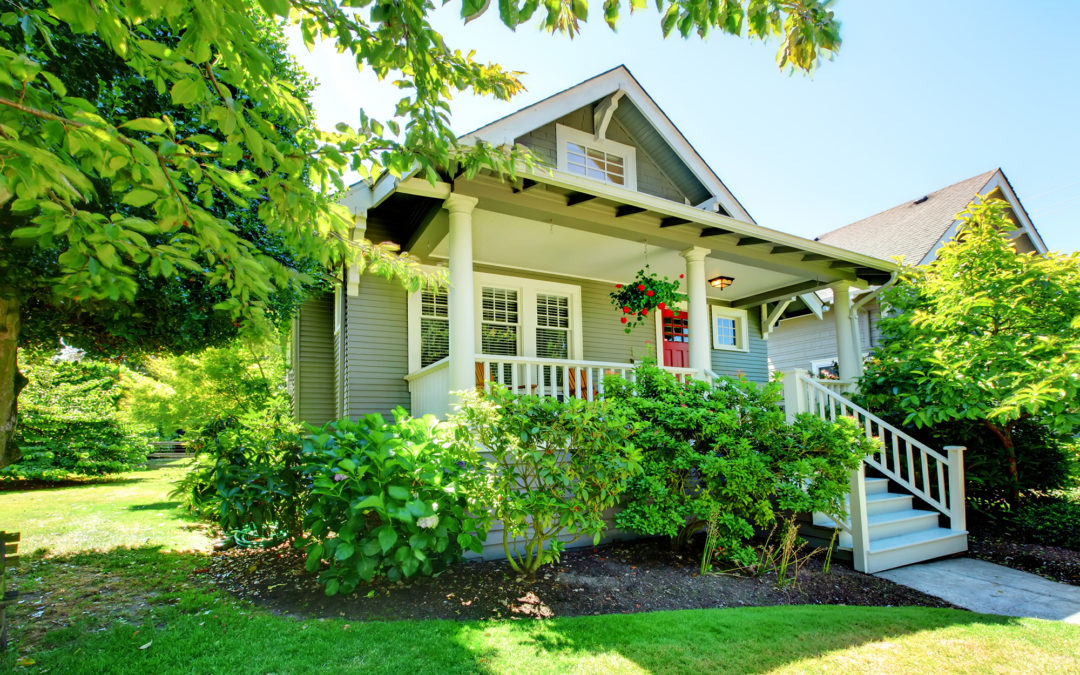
[877, 487]
[906, 526]
[887, 560]
[898, 503]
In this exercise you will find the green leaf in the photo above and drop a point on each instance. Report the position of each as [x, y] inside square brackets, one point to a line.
[387, 537]
[344, 551]
[139, 197]
[371, 502]
[398, 492]
[347, 464]
[275, 7]
[154, 126]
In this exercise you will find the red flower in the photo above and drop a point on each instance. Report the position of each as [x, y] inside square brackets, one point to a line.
[649, 293]
[641, 287]
[626, 310]
[618, 285]
[662, 305]
[644, 312]
[668, 312]
[681, 276]
[624, 319]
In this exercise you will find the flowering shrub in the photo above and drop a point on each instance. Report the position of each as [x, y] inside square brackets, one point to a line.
[387, 498]
[69, 424]
[647, 293]
[555, 467]
[725, 453]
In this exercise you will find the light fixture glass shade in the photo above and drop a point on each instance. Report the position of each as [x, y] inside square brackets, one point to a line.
[721, 282]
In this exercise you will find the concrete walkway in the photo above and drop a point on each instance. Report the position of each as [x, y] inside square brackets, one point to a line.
[991, 589]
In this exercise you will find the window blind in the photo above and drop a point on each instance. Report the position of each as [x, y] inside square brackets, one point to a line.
[434, 326]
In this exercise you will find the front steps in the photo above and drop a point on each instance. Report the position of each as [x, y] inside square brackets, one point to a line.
[900, 534]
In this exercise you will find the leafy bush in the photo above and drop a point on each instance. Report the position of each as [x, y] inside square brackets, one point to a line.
[387, 499]
[725, 454]
[555, 467]
[250, 472]
[1053, 521]
[191, 390]
[69, 424]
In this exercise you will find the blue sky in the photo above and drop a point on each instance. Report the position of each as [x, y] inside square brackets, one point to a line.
[922, 95]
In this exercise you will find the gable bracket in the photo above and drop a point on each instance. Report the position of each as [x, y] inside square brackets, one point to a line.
[603, 112]
[769, 319]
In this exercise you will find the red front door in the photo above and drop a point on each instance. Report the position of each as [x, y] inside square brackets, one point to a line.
[676, 339]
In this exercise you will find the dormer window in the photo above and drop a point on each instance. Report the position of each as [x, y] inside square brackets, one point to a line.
[603, 160]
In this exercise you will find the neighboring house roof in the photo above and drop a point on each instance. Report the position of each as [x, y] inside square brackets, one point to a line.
[911, 229]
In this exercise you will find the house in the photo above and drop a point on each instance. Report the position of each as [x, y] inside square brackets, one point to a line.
[805, 338]
[531, 265]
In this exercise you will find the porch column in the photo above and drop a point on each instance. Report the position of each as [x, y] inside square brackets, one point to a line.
[846, 353]
[856, 336]
[700, 340]
[462, 313]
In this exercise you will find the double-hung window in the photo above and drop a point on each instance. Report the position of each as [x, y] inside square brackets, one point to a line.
[434, 326]
[552, 326]
[500, 324]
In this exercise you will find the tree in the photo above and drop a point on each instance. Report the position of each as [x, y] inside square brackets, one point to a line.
[984, 333]
[55, 147]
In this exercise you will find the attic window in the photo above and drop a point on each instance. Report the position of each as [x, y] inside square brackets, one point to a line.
[606, 161]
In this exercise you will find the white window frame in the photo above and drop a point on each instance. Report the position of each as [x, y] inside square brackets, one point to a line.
[742, 329]
[564, 134]
[826, 362]
[527, 292]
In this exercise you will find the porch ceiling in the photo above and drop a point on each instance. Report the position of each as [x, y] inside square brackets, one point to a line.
[520, 243]
[780, 264]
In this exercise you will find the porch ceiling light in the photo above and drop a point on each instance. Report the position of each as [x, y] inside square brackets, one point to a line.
[721, 282]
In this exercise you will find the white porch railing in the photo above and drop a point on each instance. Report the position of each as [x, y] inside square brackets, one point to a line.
[430, 387]
[839, 386]
[936, 479]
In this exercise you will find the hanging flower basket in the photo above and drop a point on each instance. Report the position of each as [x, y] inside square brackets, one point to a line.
[646, 294]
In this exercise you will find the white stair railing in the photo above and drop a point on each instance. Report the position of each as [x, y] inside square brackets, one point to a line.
[934, 478]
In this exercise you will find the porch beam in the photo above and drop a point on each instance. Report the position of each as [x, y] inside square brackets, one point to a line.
[422, 188]
[780, 294]
[624, 211]
[579, 198]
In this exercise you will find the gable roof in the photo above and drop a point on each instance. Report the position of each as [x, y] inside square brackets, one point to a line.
[910, 229]
[643, 117]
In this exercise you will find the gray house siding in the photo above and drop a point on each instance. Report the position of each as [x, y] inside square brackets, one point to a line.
[314, 399]
[798, 342]
[377, 348]
[651, 179]
[754, 364]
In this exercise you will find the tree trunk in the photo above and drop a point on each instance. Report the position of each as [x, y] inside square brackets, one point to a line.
[1004, 434]
[11, 380]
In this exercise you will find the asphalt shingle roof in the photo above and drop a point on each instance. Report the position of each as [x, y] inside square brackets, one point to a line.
[911, 229]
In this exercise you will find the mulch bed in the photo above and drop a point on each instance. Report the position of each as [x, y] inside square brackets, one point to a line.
[640, 576]
[1052, 562]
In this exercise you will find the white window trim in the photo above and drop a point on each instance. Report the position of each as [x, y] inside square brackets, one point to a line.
[527, 292]
[337, 309]
[825, 363]
[564, 134]
[742, 329]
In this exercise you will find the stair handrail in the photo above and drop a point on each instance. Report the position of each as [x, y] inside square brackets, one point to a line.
[948, 498]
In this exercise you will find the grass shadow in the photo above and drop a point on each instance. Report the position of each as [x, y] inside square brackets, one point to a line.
[156, 506]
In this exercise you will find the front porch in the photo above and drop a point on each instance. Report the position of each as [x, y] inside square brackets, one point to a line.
[530, 267]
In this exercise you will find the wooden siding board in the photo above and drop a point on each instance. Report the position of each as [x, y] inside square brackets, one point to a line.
[316, 358]
[377, 348]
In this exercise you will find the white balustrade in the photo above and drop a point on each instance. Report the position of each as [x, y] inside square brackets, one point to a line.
[429, 389]
[935, 478]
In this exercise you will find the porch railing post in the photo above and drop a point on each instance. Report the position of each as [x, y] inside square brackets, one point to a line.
[860, 525]
[957, 498]
[794, 394]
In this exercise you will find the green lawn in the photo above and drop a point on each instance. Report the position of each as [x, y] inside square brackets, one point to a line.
[134, 510]
[146, 610]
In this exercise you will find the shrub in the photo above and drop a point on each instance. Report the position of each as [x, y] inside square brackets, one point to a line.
[724, 453]
[555, 467]
[249, 472]
[68, 423]
[1053, 521]
[387, 499]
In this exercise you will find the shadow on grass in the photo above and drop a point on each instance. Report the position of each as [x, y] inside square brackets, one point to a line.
[156, 506]
[130, 597]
